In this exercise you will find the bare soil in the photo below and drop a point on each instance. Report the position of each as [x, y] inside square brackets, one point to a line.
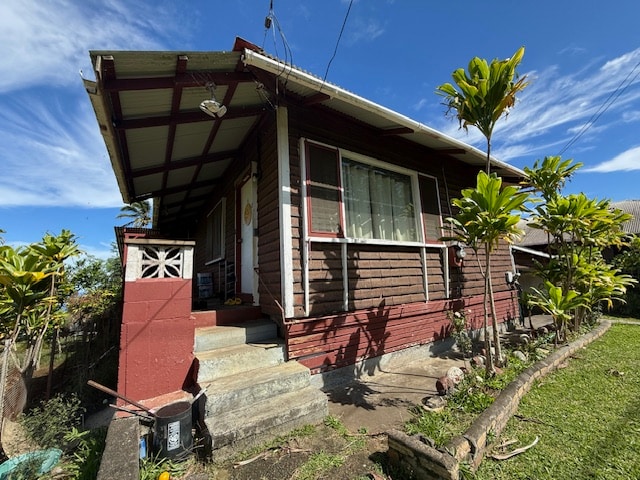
[353, 457]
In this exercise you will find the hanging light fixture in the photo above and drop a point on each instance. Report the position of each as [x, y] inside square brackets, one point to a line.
[212, 107]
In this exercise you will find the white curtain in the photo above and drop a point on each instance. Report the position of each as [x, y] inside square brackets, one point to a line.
[378, 203]
[357, 200]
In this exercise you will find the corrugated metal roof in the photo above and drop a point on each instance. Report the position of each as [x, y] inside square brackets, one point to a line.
[537, 237]
[632, 207]
[163, 147]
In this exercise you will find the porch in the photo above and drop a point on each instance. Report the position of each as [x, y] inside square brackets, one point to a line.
[170, 352]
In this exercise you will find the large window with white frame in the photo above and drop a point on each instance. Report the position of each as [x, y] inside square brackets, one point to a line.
[361, 198]
[216, 232]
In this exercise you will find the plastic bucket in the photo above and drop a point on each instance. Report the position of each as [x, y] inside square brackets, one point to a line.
[172, 437]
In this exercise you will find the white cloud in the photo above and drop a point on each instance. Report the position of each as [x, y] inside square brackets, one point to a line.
[53, 155]
[102, 251]
[556, 106]
[421, 104]
[626, 161]
[629, 117]
[48, 42]
[364, 30]
[52, 151]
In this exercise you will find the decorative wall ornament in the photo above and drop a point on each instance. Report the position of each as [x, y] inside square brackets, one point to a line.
[161, 262]
[153, 258]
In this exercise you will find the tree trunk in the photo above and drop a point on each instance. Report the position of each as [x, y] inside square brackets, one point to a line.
[492, 303]
[485, 324]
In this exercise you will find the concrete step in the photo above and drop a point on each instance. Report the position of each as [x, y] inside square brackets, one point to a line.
[224, 315]
[238, 391]
[210, 338]
[254, 424]
[238, 359]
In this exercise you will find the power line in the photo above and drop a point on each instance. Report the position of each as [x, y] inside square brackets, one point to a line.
[335, 51]
[272, 19]
[603, 108]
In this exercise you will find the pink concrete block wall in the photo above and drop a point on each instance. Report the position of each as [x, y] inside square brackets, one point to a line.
[156, 344]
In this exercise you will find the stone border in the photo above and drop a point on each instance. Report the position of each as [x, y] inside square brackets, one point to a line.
[411, 454]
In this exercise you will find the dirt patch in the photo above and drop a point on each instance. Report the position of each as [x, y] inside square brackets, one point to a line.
[324, 454]
[15, 440]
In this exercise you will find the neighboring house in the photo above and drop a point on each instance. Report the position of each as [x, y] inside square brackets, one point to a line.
[319, 209]
[529, 249]
[630, 227]
[533, 245]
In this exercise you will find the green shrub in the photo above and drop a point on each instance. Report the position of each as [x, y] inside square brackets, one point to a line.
[48, 423]
[84, 463]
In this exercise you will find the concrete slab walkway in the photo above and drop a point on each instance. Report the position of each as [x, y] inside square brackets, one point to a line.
[382, 399]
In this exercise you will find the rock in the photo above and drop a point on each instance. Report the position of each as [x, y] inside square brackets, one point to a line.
[455, 374]
[426, 440]
[444, 385]
[478, 361]
[520, 355]
[434, 404]
[542, 352]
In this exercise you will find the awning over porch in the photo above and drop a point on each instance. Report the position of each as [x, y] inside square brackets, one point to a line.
[162, 146]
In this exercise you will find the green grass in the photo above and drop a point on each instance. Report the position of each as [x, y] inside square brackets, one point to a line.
[317, 465]
[474, 395]
[586, 415]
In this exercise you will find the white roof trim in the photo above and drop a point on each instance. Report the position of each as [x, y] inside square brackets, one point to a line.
[268, 64]
[531, 251]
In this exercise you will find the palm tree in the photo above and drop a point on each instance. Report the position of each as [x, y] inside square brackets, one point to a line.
[138, 212]
[485, 216]
[484, 94]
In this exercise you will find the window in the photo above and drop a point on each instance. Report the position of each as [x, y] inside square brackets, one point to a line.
[215, 232]
[355, 198]
[378, 203]
[430, 209]
[323, 189]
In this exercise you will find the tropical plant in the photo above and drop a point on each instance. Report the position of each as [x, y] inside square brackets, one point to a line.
[549, 176]
[139, 214]
[559, 304]
[459, 333]
[484, 94]
[578, 229]
[485, 217]
[29, 304]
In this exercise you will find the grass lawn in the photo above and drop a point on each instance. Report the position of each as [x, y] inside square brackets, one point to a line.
[586, 415]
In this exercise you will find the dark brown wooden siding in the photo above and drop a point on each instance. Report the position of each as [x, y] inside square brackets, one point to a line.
[261, 148]
[388, 309]
[384, 276]
[389, 274]
[268, 221]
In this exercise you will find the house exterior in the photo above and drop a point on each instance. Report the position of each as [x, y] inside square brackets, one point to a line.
[314, 207]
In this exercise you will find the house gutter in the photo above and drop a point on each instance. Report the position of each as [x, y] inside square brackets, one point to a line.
[531, 251]
[275, 67]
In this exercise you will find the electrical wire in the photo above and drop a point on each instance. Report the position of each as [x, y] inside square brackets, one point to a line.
[335, 50]
[272, 20]
[603, 108]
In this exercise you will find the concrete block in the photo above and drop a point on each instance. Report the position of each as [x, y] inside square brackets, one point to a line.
[121, 451]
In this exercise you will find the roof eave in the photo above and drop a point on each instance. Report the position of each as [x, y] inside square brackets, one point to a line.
[108, 134]
[273, 66]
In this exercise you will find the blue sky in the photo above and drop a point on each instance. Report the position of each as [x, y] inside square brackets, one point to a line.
[582, 58]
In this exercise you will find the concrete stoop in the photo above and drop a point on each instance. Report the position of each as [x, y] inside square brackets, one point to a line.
[253, 395]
